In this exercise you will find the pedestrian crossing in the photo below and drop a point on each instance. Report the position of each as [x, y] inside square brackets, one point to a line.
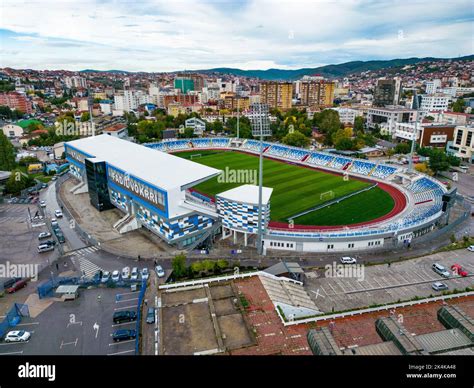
[87, 267]
[83, 251]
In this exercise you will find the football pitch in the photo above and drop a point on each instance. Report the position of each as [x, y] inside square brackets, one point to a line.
[295, 189]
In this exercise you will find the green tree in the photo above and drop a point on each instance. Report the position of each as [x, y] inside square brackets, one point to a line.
[18, 181]
[296, 139]
[7, 154]
[359, 124]
[402, 148]
[85, 116]
[179, 265]
[458, 106]
[438, 160]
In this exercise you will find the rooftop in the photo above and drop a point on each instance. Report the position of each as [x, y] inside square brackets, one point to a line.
[158, 168]
[247, 194]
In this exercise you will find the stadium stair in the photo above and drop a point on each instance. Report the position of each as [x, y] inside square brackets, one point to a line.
[126, 224]
[346, 166]
[265, 149]
[373, 169]
[305, 157]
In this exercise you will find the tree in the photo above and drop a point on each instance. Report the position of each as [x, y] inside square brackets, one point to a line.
[438, 160]
[179, 265]
[402, 148]
[7, 154]
[458, 106]
[359, 124]
[85, 116]
[421, 167]
[345, 144]
[296, 139]
[18, 181]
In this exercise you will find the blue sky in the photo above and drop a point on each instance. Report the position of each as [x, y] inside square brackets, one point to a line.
[155, 35]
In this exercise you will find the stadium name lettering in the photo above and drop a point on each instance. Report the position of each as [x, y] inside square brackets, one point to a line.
[138, 188]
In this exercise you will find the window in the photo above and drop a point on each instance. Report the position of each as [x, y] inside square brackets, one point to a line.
[468, 139]
[350, 245]
[459, 137]
[330, 246]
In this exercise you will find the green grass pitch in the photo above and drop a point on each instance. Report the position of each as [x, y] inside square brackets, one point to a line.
[296, 189]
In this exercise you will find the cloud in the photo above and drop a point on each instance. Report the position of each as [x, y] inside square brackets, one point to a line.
[155, 35]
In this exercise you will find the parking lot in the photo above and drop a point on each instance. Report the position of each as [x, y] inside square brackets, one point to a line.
[80, 327]
[381, 284]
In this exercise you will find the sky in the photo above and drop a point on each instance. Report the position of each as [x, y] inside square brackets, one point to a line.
[176, 35]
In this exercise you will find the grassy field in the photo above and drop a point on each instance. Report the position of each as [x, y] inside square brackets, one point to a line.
[296, 189]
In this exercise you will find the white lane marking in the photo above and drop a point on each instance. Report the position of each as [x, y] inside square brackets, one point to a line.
[125, 351]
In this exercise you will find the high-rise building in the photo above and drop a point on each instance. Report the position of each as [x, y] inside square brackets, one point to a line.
[75, 82]
[276, 94]
[316, 93]
[388, 91]
[184, 84]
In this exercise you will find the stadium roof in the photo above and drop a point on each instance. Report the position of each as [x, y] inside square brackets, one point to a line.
[247, 194]
[163, 170]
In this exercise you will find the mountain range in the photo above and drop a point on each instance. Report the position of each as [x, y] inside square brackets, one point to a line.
[329, 71]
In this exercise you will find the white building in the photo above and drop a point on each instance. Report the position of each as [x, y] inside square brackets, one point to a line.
[435, 103]
[432, 86]
[347, 115]
[388, 117]
[75, 82]
[463, 144]
[198, 125]
[12, 130]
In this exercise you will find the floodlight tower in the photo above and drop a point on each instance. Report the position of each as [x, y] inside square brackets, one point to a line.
[260, 128]
[415, 132]
[238, 117]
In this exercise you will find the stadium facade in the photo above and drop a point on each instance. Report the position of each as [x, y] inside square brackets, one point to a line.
[155, 189]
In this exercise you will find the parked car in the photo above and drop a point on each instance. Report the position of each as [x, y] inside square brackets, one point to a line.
[44, 235]
[42, 203]
[18, 336]
[123, 334]
[125, 272]
[18, 285]
[470, 248]
[124, 316]
[456, 268]
[440, 270]
[150, 315]
[44, 185]
[54, 222]
[348, 260]
[45, 248]
[115, 276]
[438, 286]
[159, 271]
[60, 237]
[105, 277]
[134, 275]
[145, 274]
[49, 242]
[58, 213]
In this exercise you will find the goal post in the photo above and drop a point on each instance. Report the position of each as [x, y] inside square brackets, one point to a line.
[326, 195]
[195, 156]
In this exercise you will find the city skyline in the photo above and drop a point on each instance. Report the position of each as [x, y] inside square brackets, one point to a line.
[155, 36]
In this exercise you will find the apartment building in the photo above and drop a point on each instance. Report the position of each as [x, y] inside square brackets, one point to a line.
[316, 93]
[388, 91]
[462, 145]
[276, 94]
[17, 101]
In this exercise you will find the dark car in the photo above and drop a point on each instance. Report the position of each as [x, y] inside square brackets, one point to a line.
[123, 334]
[150, 315]
[124, 316]
[49, 242]
[60, 237]
[17, 286]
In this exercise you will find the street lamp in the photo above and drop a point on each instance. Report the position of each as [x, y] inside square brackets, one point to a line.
[260, 128]
[415, 132]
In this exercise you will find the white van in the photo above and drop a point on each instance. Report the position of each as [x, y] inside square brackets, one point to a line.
[440, 270]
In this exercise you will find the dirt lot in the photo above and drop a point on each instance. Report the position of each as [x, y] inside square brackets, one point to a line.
[190, 327]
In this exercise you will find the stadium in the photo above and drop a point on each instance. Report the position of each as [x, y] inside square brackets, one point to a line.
[192, 191]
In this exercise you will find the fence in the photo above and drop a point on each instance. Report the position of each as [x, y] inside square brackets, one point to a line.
[13, 317]
[87, 238]
[139, 314]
